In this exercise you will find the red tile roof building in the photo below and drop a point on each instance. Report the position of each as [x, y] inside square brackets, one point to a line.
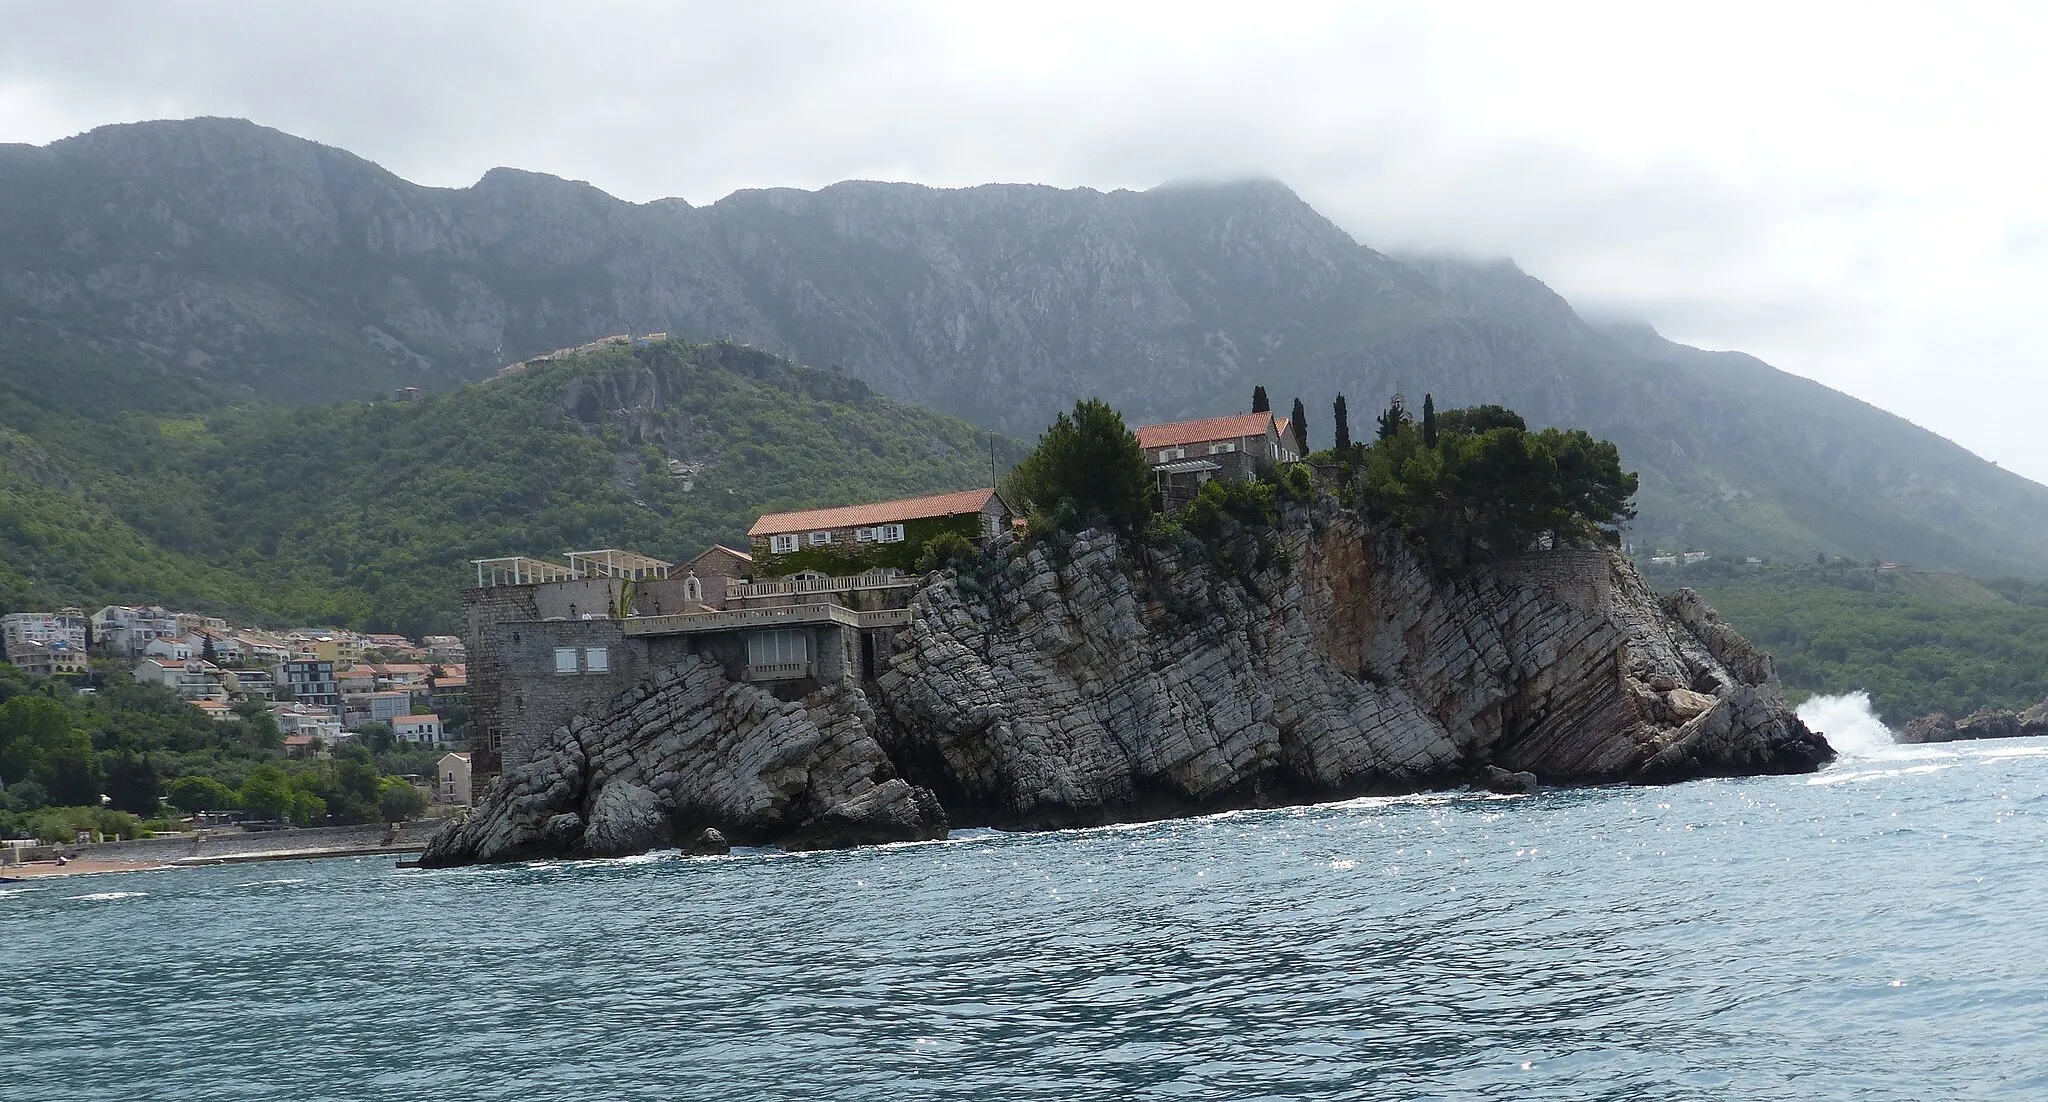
[881, 512]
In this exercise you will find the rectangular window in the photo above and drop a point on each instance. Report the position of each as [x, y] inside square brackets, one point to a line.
[864, 535]
[782, 545]
[820, 539]
[565, 659]
[597, 660]
[889, 533]
[774, 648]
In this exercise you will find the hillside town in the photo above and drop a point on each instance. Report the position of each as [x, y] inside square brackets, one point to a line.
[322, 685]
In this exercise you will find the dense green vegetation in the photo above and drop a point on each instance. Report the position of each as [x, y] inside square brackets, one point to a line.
[1474, 483]
[1916, 642]
[1086, 470]
[365, 514]
[61, 751]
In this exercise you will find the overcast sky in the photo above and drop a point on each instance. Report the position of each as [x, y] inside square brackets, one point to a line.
[1853, 192]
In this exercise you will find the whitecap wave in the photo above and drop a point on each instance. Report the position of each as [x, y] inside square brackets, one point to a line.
[107, 897]
[1850, 725]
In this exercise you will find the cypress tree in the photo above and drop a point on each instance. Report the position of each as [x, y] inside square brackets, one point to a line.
[1297, 422]
[1429, 420]
[1340, 420]
[1260, 403]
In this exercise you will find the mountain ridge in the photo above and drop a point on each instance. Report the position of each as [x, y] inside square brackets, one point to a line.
[278, 267]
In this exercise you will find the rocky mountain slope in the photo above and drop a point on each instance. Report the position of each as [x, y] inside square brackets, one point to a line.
[223, 251]
[1084, 682]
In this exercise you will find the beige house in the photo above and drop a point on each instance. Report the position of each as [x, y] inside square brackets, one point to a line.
[56, 659]
[451, 780]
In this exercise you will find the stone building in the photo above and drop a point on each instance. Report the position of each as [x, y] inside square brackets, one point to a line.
[549, 641]
[1185, 454]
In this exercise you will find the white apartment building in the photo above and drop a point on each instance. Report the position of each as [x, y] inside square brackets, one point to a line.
[129, 628]
[18, 629]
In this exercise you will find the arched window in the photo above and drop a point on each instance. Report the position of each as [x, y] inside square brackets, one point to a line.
[693, 589]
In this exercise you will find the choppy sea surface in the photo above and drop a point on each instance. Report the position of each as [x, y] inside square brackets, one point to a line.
[1876, 931]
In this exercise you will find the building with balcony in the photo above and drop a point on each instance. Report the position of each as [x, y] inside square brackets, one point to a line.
[18, 629]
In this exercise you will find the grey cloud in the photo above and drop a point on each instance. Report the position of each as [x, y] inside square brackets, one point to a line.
[1402, 123]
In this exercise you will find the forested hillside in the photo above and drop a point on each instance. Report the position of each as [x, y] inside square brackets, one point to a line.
[265, 265]
[366, 513]
[1917, 642]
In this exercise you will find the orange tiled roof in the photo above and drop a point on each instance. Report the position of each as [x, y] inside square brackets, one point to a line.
[1235, 427]
[881, 512]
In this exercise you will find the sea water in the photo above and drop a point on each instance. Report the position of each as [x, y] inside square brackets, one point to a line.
[1875, 931]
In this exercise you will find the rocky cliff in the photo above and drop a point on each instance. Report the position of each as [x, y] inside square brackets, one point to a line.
[1095, 681]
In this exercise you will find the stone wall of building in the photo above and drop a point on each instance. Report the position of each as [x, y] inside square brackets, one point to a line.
[532, 698]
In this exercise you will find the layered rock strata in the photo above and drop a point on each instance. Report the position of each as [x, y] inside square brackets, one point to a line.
[688, 758]
[1089, 681]
[1098, 684]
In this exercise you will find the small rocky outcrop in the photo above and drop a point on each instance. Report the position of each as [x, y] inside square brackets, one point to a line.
[1933, 727]
[1981, 724]
[1989, 723]
[1502, 782]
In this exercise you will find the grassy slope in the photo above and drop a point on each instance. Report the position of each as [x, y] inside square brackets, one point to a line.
[367, 512]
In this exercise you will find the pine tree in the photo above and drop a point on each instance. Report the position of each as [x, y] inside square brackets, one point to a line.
[1260, 403]
[1297, 423]
[1340, 420]
[1087, 468]
[1429, 420]
[206, 651]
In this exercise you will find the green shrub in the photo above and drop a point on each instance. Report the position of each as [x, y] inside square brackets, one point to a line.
[945, 550]
[62, 824]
